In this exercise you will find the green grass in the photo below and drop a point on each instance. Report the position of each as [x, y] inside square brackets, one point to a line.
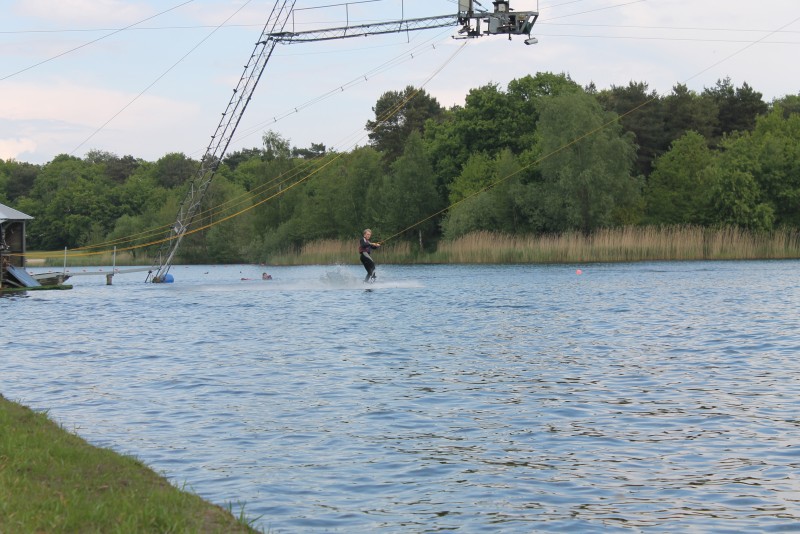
[53, 481]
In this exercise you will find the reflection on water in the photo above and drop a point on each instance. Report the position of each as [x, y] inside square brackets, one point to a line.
[524, 398]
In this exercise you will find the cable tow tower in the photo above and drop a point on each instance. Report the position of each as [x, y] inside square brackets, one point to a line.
[502, 21]
[364, 30]
[212, 158]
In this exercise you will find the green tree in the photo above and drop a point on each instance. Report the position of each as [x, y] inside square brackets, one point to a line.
[407, 196]
[248, 173]
[139, 191]
[472, 214]
[174, 169]
[475, 176]
[640, 112]
[491, 121]
[679, 187]
[485, 124]
[738, 107]
[587, 165]
[397, 115]
[274, 189]
[234, 159]
[470, 203]
[735, 201]
[346, 185]
[488, 195]
[316, 150]
[230, 234]
[20, 177]
[770, 156]
[684, 111]
[788, 104]
[3, 183]
[543, 84]
[317, 215]
[72, 204]
[138, 200]
[130, 231]
[116, 168]
[276, 147]
[524, 100]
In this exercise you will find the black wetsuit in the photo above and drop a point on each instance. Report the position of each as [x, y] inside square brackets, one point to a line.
[364, 249]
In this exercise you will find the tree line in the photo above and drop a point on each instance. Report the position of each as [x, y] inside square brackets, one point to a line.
[543, 155]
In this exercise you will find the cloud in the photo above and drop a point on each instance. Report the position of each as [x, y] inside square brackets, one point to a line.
[212, 15]
[83, 12]
[13, 148]
[58, 104]
[73, 102]
[65, 114]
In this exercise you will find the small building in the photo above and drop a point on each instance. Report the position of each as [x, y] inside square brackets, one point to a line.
[12, 234]
[12, 239]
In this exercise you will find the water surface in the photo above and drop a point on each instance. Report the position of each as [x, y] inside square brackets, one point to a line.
[652, 396]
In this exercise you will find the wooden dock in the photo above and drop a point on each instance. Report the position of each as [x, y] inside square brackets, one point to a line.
[9, 290]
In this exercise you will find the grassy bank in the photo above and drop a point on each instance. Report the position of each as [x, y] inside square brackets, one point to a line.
[613, 245]
[53, 481]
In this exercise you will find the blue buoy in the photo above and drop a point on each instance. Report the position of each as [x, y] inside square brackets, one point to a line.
[168, 278]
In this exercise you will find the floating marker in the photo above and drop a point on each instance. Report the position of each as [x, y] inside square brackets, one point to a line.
[578, 272]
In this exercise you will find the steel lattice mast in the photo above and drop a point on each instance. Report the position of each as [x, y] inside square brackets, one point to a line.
[503, 21]
[190, 205]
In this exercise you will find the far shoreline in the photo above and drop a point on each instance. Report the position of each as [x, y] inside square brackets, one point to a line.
[620, 245]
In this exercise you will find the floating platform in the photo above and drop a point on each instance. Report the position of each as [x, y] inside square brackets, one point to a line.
[51, 279]
[7, 290]
[16, 279]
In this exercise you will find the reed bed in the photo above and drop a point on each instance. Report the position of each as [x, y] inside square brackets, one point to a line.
[341, 252]
[628, 244]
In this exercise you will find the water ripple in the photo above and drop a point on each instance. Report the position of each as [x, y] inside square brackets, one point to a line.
[449, 398]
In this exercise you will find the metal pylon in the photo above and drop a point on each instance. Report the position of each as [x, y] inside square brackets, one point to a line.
[212, 158]
[503, 21]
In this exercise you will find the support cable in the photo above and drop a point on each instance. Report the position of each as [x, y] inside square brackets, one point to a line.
[128, 27]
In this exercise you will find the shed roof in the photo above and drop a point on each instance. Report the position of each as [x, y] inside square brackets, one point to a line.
[10, 214]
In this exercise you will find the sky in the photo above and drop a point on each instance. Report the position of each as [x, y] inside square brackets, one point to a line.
[151, 77]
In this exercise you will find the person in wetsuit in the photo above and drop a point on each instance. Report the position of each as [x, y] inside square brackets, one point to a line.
[365, 247]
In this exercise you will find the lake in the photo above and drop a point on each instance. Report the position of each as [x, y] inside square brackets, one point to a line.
[567, 398]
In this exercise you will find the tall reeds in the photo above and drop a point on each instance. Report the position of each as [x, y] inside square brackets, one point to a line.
[628, 244]
[623, 245]
[337, 252]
